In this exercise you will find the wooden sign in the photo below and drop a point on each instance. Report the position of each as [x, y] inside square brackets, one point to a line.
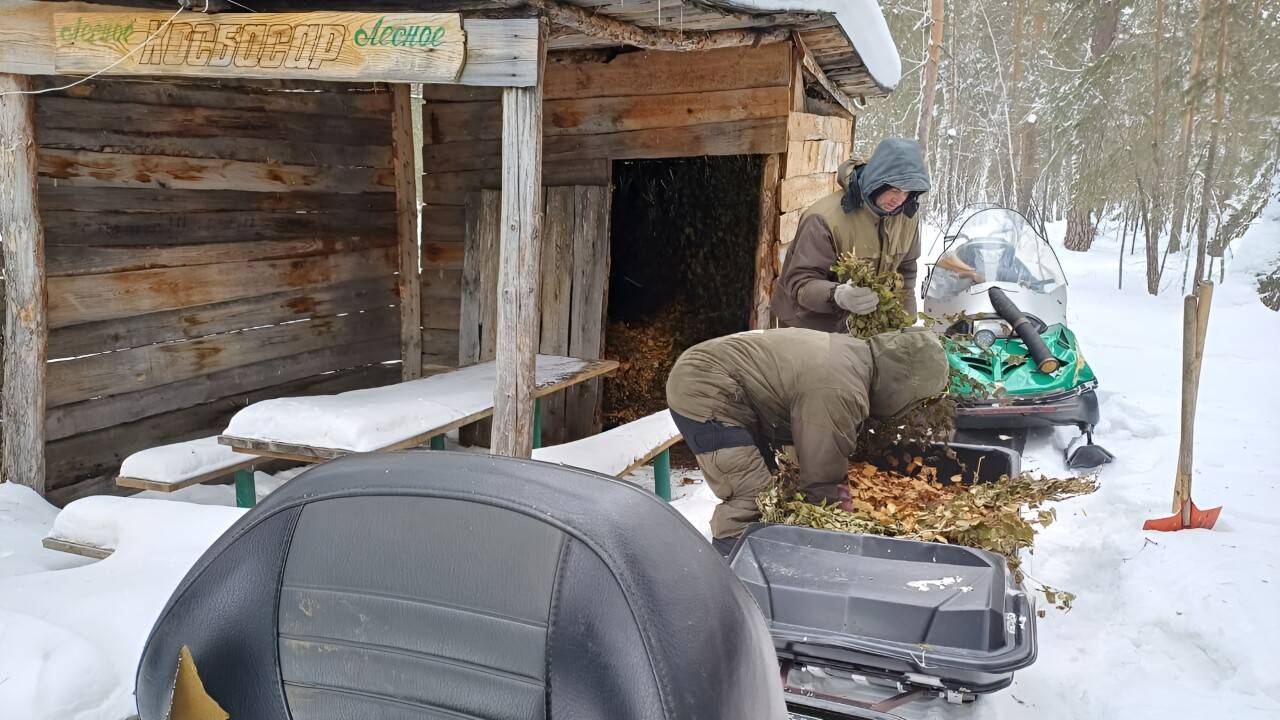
[390, 47]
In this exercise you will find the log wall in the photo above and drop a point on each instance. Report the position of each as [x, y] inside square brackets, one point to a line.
[208, 245]
[598, 107]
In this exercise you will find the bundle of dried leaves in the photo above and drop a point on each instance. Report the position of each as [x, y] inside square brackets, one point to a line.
[889, 314]
[645, 353]
[1001, 516]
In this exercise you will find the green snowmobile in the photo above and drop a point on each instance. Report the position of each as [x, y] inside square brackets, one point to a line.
[999, 298]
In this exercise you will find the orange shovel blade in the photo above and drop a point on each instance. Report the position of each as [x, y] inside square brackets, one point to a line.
[1202, 519]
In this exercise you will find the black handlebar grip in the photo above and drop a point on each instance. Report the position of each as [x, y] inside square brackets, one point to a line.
[1005, 308]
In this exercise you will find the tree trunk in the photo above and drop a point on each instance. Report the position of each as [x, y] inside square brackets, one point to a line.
[924, 127]
[1008, 167]
[1219, 107]
[1184, 142]
[1080, 229]
[1028, 130]
[1104, 33]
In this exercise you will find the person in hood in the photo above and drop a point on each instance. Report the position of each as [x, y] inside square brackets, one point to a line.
[875, 216]
[735, 398]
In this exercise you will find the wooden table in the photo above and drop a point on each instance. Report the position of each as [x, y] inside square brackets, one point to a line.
[456, 398]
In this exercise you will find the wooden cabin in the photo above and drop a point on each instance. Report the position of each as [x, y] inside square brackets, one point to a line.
[177, 247]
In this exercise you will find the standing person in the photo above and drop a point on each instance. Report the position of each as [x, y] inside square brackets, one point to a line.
[873, 216]
[734, 398]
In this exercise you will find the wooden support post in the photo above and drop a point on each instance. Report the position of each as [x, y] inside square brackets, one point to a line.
[767, 248]
[410, 280]
[519, 248]
[662, 475]
[26, 330]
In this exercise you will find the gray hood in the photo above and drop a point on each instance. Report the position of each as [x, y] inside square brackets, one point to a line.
[897, 162]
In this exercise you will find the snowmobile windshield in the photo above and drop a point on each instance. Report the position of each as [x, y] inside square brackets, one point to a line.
[995, 245]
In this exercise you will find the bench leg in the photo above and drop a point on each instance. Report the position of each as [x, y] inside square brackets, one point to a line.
[662, 475]
[246, 492]
[437, 442]
[537, 423]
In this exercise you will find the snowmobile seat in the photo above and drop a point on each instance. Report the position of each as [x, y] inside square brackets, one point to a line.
[434, 585]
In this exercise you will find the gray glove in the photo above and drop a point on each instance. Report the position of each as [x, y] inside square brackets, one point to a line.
[856, 299]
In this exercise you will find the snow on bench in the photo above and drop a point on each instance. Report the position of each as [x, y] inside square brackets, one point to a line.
[167, 468]
[96, 526]
[408, 414]
[617, 452]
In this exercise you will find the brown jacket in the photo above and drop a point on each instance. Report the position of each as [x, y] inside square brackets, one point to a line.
[803, 294]
[806, 388]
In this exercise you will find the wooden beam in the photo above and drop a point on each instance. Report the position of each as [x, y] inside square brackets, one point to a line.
[603, 26]
[519, 251]
[767, 247]
[811, 65]
[75, 548]
[410, 280]
[26, 330]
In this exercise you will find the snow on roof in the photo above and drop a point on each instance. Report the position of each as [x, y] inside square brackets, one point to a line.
[861, 20]
[372, 419]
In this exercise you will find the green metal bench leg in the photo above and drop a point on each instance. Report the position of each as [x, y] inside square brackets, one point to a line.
[537, 422]
[246, 492]
[437, 442]
[662, 475]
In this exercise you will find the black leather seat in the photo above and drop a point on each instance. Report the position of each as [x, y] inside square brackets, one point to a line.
[449, 585]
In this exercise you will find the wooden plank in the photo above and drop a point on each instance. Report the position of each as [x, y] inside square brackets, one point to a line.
[310, 453]
[811, 65]
[26, 328]
[739, 137]
[589, 299]
[803, 126]
[410, 282]
[75, 548]
[26, 35]
[814, 156]
[500, 52]
[101, 413]
[99, 453]
[152, 365]
[557, 288]
[575, 171]
[85, 168]
[439, 283]
[331, 99]
[190, 323]
[766, 247]
[663, 73]
[391, 47]
[471, 305]
[198, 229]
[458, 122]
[296, 152]
[439, 350]
[168, 487]
[65, 260]
[60, 197]
[201, 123]
[489, 228]
[519, 265]
[87, 298]
[648, 457]
[798, 193]
[442, 255]
[440, 314]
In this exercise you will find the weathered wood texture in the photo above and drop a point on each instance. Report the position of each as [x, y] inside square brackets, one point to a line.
[407, 232]
[209, 245]
[575, 276]
[767, 248]
[26, 330]
[519, 267]
[816, 145]
[596, 110]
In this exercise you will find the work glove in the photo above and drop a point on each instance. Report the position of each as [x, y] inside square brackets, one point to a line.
[856, 299]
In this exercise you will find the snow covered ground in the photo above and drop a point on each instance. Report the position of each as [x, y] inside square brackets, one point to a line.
[1164, 625]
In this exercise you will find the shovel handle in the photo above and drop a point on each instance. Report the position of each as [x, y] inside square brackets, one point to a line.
[1190, 344]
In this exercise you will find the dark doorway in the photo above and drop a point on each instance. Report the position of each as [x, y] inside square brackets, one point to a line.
[683, 240]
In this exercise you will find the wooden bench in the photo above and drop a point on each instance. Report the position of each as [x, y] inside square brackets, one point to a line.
[394, 417]
[166, 468]
[618, 452]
